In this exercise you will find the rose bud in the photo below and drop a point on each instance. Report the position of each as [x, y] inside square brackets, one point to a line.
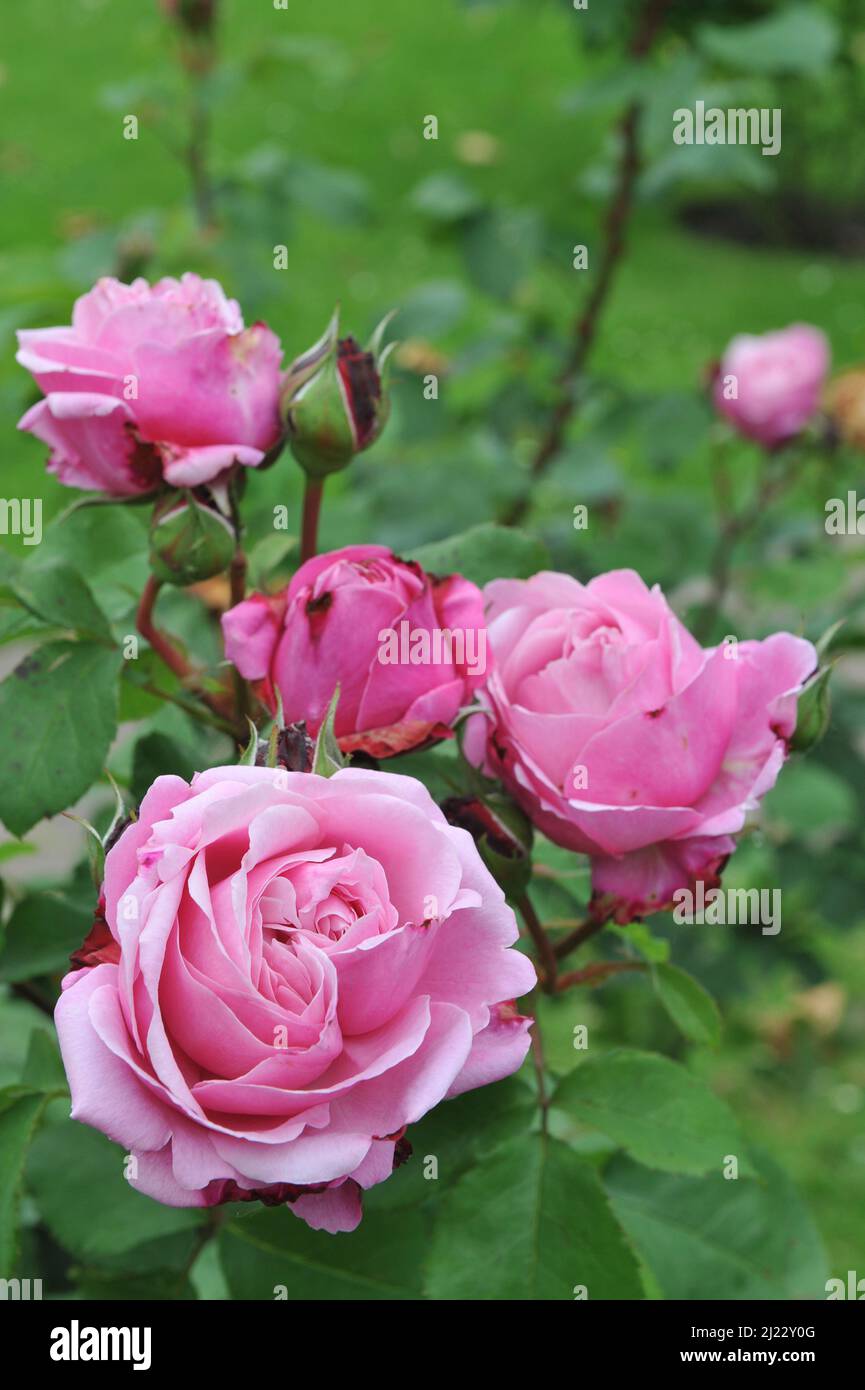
[769, 387]
[333, 401]
[814, 713]
[406, 648]
[502, 833]
[190, 539]
[625, 740]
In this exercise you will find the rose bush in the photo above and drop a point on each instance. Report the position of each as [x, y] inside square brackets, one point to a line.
[290, 970]
[151, 384]
[778, 382]
[333, 624]
[622, 738]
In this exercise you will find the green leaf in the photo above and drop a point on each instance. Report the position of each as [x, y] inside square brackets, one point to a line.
[328, 757]
[654, 1108]
[654, 949]
[432, 309]
[799, 39]
[273, 1250]
[58, 713]
[55, 591]
[445, 198]
[484, 552]
[77, 1177]
[690, 1006]
[502, 246]
[530, 1222]
[42, 932]
[457, 1134]
[20, 1110]
[725, 1238]
[43, 1068]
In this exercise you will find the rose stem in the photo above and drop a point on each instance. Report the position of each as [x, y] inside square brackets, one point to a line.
[174, 660]
[618, 215]
[582, 933]
[543, 946]
[312, 492]
[734, 526]
[237, 578]
[597, 972]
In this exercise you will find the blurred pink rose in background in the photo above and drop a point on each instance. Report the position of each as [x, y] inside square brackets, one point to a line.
[777, 379]
[364, 619]
[153, 383]
[622, 738]
[289, 971]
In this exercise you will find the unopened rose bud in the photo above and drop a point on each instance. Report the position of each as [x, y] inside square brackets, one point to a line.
[190, 540]
[333, 400]
[813, 711]
[502, 834]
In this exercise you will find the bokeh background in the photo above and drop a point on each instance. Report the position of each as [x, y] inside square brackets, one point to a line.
[315, 117]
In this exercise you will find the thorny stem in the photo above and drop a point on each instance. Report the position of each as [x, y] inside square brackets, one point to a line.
[198, 58]
[237, 579]
[734, 526]
[597, 972]
[615, 227]
[312, 493]
[174, 659]
[575, 938]
[542, 943]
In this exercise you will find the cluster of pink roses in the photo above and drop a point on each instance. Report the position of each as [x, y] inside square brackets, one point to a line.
[287, 970]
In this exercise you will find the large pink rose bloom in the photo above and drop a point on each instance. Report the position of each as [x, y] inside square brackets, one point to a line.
[333, 625]
[622, 738]
[779, 379]
[151, 383]
[297, 968]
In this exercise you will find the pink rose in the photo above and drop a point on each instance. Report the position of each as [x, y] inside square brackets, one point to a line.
[151, 383]
[778, 380]
[301, 968]
[622, 738]
[407, 648]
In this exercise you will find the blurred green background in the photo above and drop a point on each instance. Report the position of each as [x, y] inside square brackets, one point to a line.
[317, 144]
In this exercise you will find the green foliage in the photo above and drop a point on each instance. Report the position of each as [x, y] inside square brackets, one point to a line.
[41, 933]
[57, 720]
[661, 1114]
[531, 1223]
[800, 38]
[743, 1237]
[485, 552]
[690, 1006]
